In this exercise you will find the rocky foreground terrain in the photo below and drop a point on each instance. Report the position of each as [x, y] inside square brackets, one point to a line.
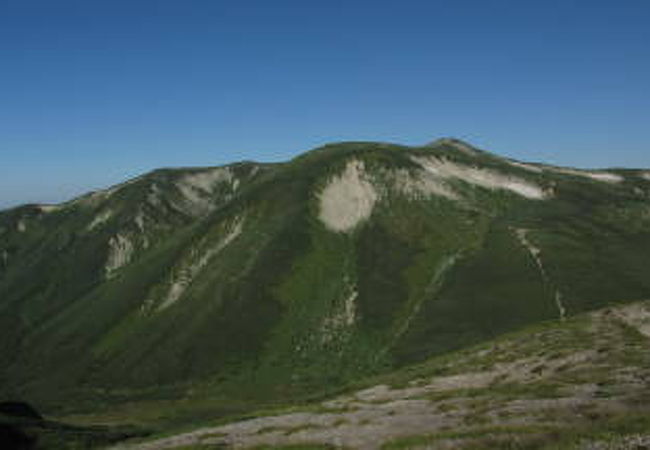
[583, 383]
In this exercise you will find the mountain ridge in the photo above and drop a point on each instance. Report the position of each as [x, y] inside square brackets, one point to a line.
[255, 282]
[436, 143]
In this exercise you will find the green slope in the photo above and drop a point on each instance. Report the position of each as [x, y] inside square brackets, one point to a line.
[238, 284]
[577, 384]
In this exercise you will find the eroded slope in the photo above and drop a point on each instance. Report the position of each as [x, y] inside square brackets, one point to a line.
[256, 284]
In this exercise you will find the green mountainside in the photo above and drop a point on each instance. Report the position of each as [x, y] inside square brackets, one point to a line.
[266, 283]
[577, 384]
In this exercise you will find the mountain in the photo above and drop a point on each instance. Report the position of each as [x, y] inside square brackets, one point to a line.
[222, 289]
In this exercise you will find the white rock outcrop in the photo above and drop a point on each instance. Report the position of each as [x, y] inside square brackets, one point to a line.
[120, 251]
[197, 188]
[197, 260]
[100, 219]
[348, 199]
[606, 177]
[486, 178]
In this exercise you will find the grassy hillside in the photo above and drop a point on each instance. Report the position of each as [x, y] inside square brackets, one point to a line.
[222, 289]
[577, 384]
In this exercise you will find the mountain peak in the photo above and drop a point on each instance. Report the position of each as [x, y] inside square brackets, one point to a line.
[453, 142]
[343, 262]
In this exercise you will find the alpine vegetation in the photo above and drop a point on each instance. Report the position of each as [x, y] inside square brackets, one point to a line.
[203, 293]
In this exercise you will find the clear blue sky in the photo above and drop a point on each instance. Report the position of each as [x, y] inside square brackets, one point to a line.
[95, 91]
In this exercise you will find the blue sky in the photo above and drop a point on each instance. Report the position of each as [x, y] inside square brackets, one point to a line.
[94, 92]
